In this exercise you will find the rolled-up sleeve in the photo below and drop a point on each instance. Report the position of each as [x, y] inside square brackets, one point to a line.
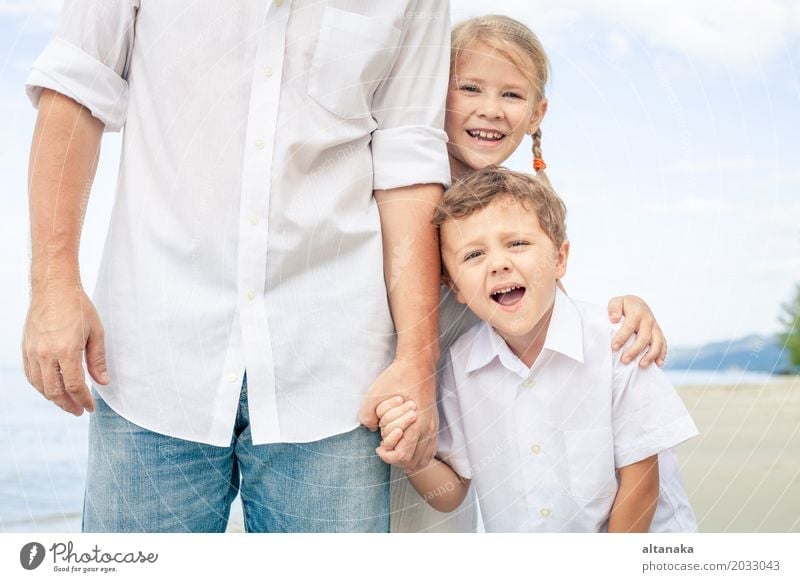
[409, 145]
[88, 58]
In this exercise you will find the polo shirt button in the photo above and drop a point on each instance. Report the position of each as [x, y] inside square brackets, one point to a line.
[253, 219]
[544, 512]
[278, 3]
[260, 144]
[267, 71]
[529, 383]
[251, 295]
[536, 449]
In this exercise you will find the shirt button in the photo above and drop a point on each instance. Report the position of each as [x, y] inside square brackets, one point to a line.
[544, 512]
[253, 219]
[232, 377]
[251, 295]
[267, 71]
[278, 3]
[260, 144]
[529, 383]
[536, 449]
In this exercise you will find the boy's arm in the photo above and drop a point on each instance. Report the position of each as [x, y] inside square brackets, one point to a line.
[637, 497]
[440, 486]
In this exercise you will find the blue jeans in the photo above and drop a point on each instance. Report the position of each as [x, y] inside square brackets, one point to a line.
[141, 481]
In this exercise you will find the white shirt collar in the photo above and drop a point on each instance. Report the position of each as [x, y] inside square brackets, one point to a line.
[564, 335]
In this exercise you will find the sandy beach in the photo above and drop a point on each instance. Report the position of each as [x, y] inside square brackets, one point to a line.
[743, 472]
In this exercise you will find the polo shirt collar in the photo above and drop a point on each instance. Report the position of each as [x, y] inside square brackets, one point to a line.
[564, 335]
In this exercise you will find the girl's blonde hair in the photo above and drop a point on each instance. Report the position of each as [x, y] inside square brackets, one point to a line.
[518, 44]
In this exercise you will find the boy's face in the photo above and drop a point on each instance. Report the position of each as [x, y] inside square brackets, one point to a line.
[491, 105]
[503, 266]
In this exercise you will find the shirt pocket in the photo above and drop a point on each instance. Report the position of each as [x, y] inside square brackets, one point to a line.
[590, 456]
[353, 54]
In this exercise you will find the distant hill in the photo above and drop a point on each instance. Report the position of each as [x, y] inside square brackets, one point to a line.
[754, 353]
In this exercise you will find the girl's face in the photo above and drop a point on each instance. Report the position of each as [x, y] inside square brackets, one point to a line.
[491, 105]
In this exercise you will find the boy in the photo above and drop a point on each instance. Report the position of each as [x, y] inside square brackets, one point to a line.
[556, 433]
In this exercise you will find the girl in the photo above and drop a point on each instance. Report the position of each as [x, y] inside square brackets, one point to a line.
[496, 97]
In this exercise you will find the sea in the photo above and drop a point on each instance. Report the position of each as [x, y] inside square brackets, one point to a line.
[43, 453]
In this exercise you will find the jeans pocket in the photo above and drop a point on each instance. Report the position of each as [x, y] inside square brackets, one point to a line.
[353, 54]
[590, 456]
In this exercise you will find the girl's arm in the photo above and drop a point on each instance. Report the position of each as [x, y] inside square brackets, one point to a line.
[440, 486]
[639, 319]
[637, 497]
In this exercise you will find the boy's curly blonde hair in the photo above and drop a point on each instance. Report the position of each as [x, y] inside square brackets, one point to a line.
[478, 189]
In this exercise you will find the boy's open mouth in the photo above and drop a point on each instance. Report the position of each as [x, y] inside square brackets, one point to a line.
[485, 134]
[508, 296]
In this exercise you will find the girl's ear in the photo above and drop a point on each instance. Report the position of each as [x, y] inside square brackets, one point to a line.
[537, 115]
[562, 254]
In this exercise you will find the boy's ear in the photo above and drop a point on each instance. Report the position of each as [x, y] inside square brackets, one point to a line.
[562, 254]
[449, 282]
[539, 111]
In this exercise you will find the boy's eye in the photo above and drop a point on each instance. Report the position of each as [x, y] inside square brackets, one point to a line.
[470, 88]
[512, 95]
[472, 255]
[519, 243]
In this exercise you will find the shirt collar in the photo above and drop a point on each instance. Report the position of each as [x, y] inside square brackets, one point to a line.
[564, 335]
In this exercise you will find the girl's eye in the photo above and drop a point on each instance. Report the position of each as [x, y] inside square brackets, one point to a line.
[472, 255]
[512, 95]
[470, 88]
[519, 243]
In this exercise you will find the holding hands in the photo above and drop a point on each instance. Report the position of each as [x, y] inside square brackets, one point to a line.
[395, 416]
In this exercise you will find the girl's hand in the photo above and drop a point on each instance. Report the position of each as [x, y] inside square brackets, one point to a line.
[641, 321]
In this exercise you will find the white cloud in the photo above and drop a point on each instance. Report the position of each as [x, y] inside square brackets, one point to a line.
[735, 33]
[739, 34]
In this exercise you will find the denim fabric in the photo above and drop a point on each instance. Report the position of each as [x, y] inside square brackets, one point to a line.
[141, 481]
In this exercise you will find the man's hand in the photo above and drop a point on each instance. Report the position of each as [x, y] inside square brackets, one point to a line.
[61, 324]
[641, 321]
[413, 381]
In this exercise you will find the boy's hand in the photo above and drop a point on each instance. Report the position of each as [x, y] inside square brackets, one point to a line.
[641, 321]
[395, 414]
[415, 381]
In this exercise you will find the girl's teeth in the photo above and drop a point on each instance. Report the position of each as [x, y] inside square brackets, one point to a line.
[486, 135]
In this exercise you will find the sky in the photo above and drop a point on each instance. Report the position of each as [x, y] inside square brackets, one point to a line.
[671, 134]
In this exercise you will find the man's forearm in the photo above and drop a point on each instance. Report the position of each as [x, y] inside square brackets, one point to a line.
[63, 160]
[412, 268]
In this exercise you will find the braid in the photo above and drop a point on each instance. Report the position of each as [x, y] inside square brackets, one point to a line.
[538, 161]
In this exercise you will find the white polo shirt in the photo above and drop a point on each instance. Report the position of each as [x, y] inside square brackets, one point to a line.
[245, 234]
[542, 445]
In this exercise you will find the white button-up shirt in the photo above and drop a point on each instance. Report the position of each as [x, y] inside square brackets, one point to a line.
[245, 235]
[542, 445]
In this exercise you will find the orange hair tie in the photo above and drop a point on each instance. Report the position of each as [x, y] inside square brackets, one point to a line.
[538, 164]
